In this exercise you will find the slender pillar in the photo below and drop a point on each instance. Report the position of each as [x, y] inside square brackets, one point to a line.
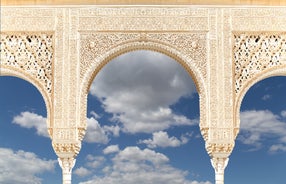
[219, 164]
[67, 165]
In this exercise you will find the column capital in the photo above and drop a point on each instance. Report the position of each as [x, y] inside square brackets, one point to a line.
[67, 164]
[219, 164]
[219, 150]
[66, 150]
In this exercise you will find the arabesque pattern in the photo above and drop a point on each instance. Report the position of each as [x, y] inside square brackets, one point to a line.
[29, 53]
[61, 49]
[256, 52]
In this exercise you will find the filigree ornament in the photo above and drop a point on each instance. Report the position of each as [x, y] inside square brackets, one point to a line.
[254, 53]
[29, 53]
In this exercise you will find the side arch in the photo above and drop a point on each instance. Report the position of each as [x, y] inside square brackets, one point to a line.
[186, 61]
[6, 71]
[275, 71]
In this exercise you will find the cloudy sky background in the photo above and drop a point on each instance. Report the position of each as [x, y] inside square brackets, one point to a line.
[142, 128]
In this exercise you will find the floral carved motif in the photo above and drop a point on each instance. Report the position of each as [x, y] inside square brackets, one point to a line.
[254, 53]
[219, 148]
[66, 148]
[30, 54]
[94, 46]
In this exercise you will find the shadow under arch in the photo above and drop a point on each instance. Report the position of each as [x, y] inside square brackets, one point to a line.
[165, 49]
[14, 73]
[277, 71]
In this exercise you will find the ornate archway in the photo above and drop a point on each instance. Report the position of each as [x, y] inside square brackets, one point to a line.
[61, 48]
[193, 60]
[256, 56]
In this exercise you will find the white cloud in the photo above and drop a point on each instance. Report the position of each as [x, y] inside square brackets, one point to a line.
[283, 114]
[278, 147]
[82, 172]
[94, 162]
[95, 133]
[140, 94]
[133, 165]
[32, 120]
[162, 139]
[257, 126]
[95, 115]
[115, 130]
[111, 149]
[135, 154]
[22, 167]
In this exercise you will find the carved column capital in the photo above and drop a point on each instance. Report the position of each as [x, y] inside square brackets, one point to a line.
[66, 149]
[219, 149]
[219, 164]
[219, 153]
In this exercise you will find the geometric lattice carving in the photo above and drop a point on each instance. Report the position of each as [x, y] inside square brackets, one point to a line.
[29, 53]
[256, 52]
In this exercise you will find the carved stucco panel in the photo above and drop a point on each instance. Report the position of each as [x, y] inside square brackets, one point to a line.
[27, 19]
[143, 19]
[256, 54]
[258, 19]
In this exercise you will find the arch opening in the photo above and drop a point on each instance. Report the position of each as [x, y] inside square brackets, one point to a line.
[149, 46]
[6, 72]
[24, 137]
[261, 142]
[140, 100]
[278, 71]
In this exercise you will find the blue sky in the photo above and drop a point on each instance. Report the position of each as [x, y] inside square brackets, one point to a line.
[142, 128]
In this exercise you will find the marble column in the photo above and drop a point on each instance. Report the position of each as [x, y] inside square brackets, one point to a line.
[219, 164]
[67, 165]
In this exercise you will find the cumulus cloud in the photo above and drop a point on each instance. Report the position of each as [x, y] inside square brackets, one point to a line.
[82, 172]
[283, 114]
[31, 120]
[278, 147]
[162, 139]
[134, 165]
[256, 126]
[95, 115]
[140, 94]
[95, 133]
[22, 167]
[94, 162]
[114, 130]
[111, 149]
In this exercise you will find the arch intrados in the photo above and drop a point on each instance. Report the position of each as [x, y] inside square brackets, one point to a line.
[277, 71]
[145, 46]
[31, 80]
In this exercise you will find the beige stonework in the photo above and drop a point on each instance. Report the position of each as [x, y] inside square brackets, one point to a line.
[143, 2]
[60, 49]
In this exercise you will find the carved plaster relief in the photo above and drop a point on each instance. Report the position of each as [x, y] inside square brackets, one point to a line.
[30, 54]
[256, 54]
